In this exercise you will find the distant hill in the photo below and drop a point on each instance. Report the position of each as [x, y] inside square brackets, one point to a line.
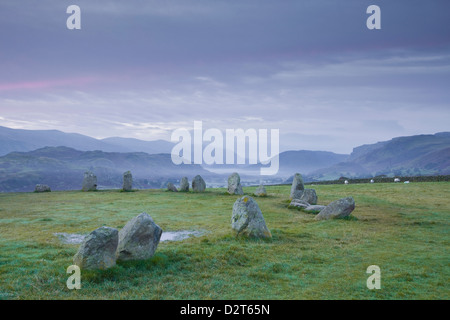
[136, 145]
[290, 162]
[413, 155]
[62, 168]
[12, 140]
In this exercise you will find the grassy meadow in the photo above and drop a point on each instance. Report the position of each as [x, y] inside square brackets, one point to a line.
[402, 228]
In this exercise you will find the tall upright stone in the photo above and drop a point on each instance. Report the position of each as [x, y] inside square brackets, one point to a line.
[127, 181]
[234, 184]
[139, 238]
[184, 185]
[297, 187]
[198, 184]
[247, 219]
[89, 181]
[98, 250]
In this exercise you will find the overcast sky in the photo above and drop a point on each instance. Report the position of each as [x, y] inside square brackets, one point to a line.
[144, 68]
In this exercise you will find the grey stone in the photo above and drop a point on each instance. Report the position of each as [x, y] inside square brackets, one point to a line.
[247, 219]
[198, 184]
[42, 188]
[337, 209]
[314, 208]
[171, 187]
[297, 186]
[260, 191]
[98, 250]
[89, 182]
[127, 181]
[139, 238]
[298, 204]
[309, 195]
[184, 185]
[234, 184]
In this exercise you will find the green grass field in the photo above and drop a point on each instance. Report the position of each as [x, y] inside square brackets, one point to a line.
[402, 228]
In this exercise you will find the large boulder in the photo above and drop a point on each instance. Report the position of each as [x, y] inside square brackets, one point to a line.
[98, 250]
[260, 191]
[127, 181]
[247, 219]
[337, 209]
[184, 185]
[234, 184]
[42, 188]
[171, 187]
[139, 238]
[89, 182]
[198, 184]
[309, 195]
[297, 186]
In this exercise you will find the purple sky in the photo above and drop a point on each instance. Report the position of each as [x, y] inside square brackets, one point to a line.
[309, 68]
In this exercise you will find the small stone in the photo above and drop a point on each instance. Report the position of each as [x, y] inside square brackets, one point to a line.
[42, 188]
[314, 208]
[298, 204]
[260, 191]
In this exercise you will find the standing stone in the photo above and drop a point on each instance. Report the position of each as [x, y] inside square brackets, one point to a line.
[260, 191]
[98, 250]
[297, 186]
[42, 188]
[234, 184]
[171, 187]
[247, 219]
[310, 196]
[139, 238]
[184, 184]
[198, 184]
[127, 181]
[337, 209]
[89, 182]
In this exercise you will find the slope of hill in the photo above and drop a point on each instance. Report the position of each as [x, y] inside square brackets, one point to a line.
[136, 145]
[62, 168]
[12, 140]
[414, 155]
